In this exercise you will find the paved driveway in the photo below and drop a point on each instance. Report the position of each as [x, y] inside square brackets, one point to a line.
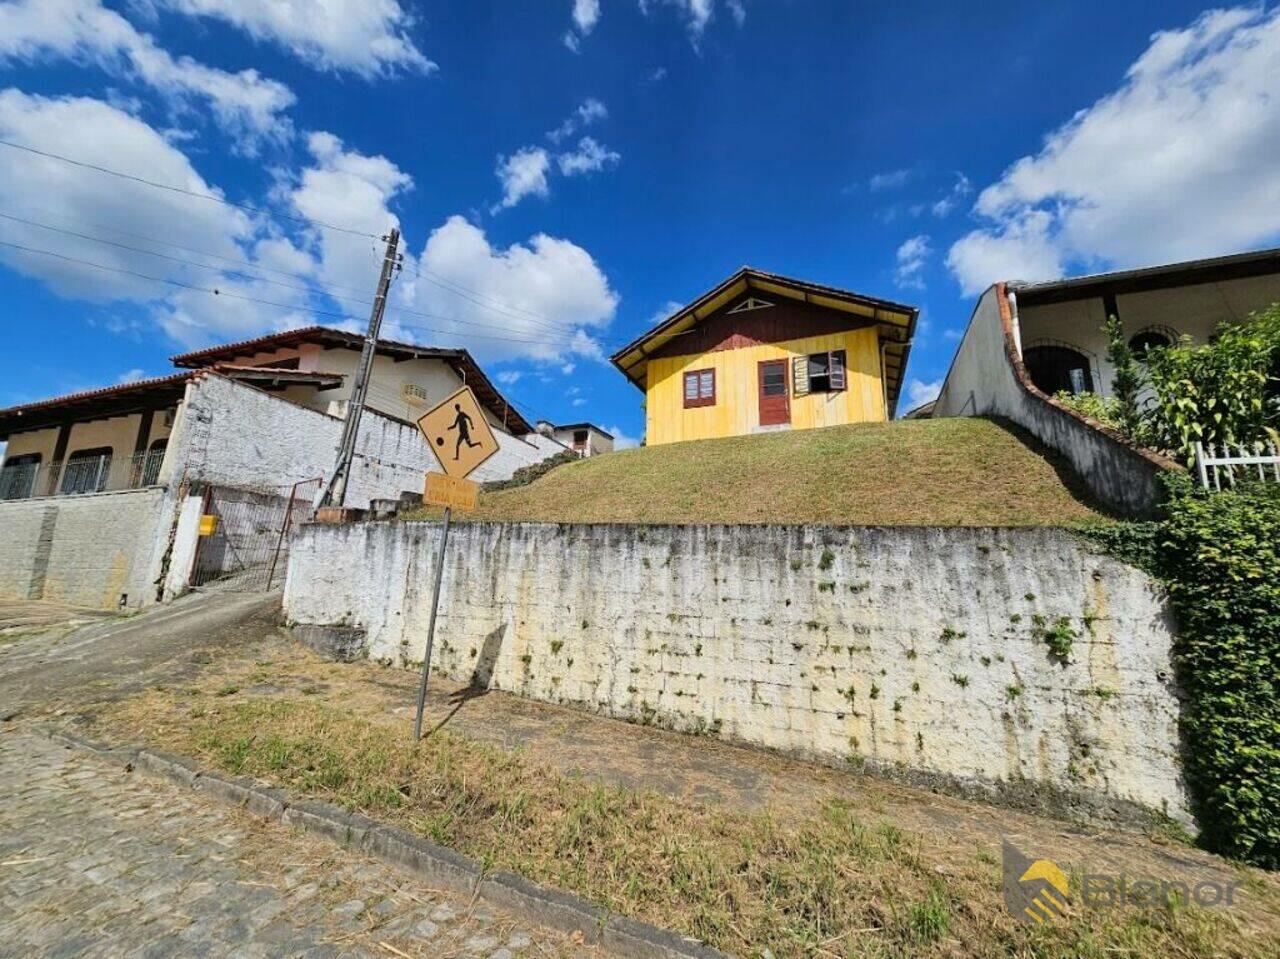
[95, 861]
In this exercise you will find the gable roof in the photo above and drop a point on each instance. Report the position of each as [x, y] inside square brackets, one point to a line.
[459, 360]
[896, 321]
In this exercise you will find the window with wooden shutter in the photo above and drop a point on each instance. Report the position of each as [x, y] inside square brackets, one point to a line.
[837, 370]
[800, 375]
[699, 388]
[823, 372]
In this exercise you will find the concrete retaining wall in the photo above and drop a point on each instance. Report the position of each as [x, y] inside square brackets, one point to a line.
[919, 651]
[987, 379]
[89, 550]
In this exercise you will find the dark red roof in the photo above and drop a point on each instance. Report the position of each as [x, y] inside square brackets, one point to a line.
[122, 400]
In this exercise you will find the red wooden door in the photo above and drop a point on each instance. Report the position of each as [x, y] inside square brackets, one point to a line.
[775, 398]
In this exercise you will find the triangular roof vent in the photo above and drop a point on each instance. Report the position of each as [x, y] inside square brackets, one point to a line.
[751, 303]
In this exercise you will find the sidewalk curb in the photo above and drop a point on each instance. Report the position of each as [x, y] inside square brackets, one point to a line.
[438, 865]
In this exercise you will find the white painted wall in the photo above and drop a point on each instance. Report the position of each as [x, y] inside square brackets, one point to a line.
[982, 381]
[758, 634]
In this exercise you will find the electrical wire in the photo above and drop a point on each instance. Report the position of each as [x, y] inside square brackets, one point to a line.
[248, 207]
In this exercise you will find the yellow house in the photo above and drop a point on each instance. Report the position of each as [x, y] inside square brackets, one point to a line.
[765, 352]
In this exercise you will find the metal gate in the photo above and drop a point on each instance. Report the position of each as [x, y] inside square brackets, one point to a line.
[248, 548]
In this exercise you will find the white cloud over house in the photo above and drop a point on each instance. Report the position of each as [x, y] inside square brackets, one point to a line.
[366, 37]
[526, 172]
[584, 15]
[912, 256]
[1178, 162]
[522, 174]
[245, 103]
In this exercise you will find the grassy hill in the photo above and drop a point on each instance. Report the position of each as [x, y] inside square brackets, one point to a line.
[949, 472]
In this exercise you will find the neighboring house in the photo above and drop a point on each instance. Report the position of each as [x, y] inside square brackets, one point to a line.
[765, 352]
[101, 492]
[1028, 341]
[585, 439]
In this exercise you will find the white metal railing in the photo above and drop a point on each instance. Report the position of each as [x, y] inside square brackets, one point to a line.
[1215, 467]
[95, 474]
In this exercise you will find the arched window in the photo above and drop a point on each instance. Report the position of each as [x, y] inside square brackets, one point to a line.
[1147, 339]
[1054, 368]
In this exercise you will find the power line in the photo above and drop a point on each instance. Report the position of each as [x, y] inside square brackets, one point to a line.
[248, 207]
[214, 291]
[240, 261]
[562, 335]
[458, 289]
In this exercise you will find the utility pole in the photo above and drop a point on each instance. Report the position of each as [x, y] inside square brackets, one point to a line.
[335, 491]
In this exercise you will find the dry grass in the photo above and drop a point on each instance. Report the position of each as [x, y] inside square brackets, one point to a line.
[949, 472]
[817, 882]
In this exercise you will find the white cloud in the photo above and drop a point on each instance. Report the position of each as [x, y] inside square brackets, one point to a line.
[509, 377]
[346, 187]
[912, 256]
[1179, 162]
[132, 376]
[586, 13]
[920, 392]
[579, 401]
[523, 174]
[1022, 249]
[890, 180]
[246, 103]
[960, 189]
[541, 299]
[621, 441]
[587, 112]
[70, 197]
[367, 37]
[697, 14]
[589, 157]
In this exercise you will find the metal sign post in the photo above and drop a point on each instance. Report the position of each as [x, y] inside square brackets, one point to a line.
[461, 439]
[431, 627]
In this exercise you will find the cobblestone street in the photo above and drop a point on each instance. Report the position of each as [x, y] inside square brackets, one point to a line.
[95, 861]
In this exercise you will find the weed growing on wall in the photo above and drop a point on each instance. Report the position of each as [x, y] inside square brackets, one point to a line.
[1219, 556]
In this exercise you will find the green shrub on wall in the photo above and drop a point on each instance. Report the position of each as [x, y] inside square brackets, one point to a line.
[1222, 393]
[1219, 555]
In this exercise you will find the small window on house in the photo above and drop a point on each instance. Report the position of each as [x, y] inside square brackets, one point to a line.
[579, 439]
[86, 471]
[18, 476]
[819, 373]
[699, 388]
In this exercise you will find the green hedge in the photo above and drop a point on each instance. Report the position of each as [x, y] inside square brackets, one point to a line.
[1219, 556]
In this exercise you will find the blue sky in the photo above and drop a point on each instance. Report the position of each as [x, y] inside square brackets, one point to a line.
[566, 171]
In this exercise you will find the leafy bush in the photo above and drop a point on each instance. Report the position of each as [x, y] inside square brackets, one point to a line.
[1101, 408]
[1222, 393]
[1222, 553]
[1219, 556]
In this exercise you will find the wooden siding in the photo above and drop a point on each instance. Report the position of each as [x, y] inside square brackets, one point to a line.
[787, 320]
[737, 408]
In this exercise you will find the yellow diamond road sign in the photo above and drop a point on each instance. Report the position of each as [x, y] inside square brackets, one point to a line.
[459, 434]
